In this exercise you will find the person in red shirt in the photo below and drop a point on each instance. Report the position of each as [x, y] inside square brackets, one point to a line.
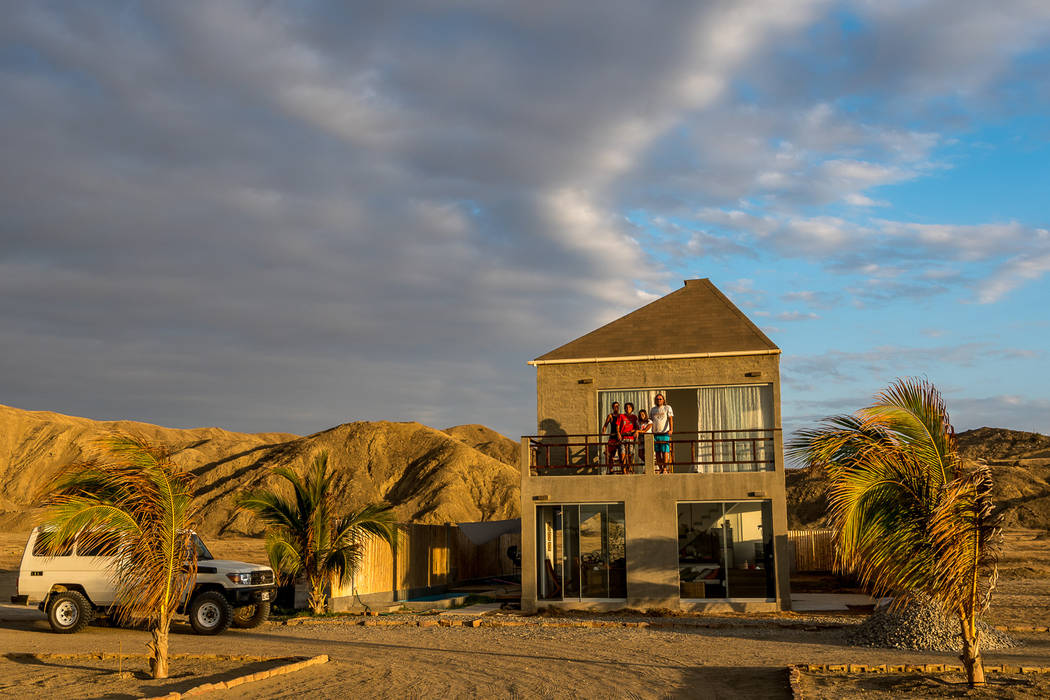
[628, 425]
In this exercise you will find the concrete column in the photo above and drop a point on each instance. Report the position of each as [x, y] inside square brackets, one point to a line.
[528, 533]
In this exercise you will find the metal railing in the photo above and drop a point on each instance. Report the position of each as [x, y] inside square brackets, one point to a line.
[582, 454]
[722, 451]
[705, 451]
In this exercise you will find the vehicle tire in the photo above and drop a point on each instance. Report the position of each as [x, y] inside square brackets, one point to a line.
[251, 616]
[68, 612]
[210, 613]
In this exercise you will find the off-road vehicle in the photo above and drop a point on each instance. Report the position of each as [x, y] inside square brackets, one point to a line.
[78, 582]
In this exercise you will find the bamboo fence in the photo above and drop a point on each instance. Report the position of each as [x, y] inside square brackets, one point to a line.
[812, 550]
[428, 556]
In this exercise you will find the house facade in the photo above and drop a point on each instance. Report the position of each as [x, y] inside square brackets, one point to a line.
[703, 528]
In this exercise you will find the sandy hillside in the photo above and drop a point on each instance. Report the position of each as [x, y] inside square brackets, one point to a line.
[1020, 463]
[488, 441]
[427, 475]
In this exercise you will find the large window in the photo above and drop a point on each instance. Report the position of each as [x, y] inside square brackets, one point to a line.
[725, 550]
[581, 551]
[716, 428]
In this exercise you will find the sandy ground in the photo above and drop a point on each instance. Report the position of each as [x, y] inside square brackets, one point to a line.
[895, 686]
[502, 662]
[80, 676]
[737, 661]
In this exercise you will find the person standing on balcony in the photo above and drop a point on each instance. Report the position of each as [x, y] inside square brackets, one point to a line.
[644, 426]
[628, 427]
[612, 423]
[662, 416]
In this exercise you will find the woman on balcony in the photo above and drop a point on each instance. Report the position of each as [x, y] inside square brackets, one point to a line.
[614, 449]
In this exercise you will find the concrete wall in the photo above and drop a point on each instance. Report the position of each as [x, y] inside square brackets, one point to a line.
[565, 405]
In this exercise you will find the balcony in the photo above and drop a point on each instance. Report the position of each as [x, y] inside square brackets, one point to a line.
[704, 452]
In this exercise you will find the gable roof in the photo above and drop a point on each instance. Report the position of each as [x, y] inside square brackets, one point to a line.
[695, 320]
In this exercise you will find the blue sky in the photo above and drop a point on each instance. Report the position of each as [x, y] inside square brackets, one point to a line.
[287, 215]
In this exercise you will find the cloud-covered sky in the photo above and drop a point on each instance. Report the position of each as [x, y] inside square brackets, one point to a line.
[287, 215]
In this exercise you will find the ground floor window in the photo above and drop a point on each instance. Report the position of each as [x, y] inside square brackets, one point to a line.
[581, 551]
[725, 550]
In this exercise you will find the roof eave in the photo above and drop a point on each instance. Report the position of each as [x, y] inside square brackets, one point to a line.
[679, 356]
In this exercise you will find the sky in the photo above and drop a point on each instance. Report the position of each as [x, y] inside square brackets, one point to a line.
[282, 216]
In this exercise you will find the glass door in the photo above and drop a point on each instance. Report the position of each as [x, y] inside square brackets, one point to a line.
[581, 552]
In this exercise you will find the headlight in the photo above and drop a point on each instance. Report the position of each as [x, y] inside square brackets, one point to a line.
[240, 579]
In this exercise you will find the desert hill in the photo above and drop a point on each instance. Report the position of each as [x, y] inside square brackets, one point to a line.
[1020, 463]
[427, 475]
[488, 441]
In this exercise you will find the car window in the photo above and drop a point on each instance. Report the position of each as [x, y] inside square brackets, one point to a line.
[40, 549]
[202, 550]
[101, 545]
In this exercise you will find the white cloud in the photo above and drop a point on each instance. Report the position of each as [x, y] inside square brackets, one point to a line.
[1013, 274]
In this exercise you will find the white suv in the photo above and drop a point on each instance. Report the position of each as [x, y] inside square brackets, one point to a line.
[74, 584]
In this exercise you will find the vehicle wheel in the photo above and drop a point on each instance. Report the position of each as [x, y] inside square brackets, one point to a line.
[210, 613]
[68, 612]
[251, 615]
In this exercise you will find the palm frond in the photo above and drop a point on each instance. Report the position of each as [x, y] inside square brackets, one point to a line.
[130, 492]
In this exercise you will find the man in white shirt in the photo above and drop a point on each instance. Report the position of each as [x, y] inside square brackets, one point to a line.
[662, 417]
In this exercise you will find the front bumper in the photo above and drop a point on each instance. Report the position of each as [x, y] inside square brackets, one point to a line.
[239, 597]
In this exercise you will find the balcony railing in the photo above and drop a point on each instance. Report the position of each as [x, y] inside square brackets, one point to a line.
[702, 452]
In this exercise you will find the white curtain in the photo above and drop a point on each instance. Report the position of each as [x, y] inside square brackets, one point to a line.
[740, 409]
[641, 398]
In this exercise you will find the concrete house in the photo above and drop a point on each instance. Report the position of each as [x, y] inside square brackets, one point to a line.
[704, 528]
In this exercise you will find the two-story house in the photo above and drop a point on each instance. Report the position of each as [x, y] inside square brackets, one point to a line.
[704, 528]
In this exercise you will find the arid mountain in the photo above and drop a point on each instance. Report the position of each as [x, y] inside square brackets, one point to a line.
[424, 473]
[487, 440]
[1020, 463]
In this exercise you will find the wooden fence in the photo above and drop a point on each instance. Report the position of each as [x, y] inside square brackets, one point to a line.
[812, 550]
[428, 556]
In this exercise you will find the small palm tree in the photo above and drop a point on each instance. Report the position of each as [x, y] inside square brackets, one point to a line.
[304, 538]
[910, 517]
[131, 501]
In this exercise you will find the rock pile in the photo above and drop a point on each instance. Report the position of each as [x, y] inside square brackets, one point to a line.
[920, 625]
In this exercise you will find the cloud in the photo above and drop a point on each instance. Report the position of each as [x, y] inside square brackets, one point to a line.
[931, 255]
[269, 218]
[815, 299]
[1001, 411]
[1015, 272]
[796, 316]
[276, 217]
[895, 361]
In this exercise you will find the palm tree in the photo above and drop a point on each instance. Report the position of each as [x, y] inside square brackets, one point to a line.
[911, 518]
[304, 538]
[132, 501]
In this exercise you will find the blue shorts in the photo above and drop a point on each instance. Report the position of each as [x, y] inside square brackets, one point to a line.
[662, 442]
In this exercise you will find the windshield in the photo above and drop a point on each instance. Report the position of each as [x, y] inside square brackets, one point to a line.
[202, 551]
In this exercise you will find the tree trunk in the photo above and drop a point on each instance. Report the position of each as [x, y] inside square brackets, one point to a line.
[317, 600]
[158, 648]
[971, 656]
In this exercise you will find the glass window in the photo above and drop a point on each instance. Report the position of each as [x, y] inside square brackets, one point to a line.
[734, 413]
[725, 550]
[98, 545]
[581, 551]
[40, 547]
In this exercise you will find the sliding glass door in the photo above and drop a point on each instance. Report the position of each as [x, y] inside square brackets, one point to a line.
[582, 551]
[725, 550]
